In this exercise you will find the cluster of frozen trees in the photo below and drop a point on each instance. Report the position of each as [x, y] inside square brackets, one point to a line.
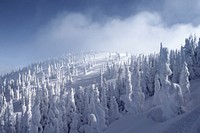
[39, 98]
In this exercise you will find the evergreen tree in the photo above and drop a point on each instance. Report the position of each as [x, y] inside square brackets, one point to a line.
[97, 109]
[184, 81]
[52, 125]
[71, 114]
[165, 72]
[2, 113]
[157, 93]
[120, 89]
[23, 116]
[114, 110]
[189, 55]
[128, 97]
[18, 120]
[10, 119]
[44, 105]
[176, 99]
[36, 127]
[28, 116]
[144, 78]
[92, 122]
[103, 95]
[138, 96]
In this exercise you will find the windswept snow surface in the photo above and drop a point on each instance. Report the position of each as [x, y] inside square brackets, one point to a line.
[188, 122]
[93, 73]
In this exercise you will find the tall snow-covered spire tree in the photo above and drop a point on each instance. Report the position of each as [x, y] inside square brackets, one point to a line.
[165, 72]
[36, 127]
[156, 97]
[103, 95]
[52, 124]
[114, 110]
[184, 81]
[127, 98]
[120, 89]
[189, 55]
[97, 109]
[172, 99]
[10, 118]
[2, 112]
[44, 105]
[138, 96]
[144, 77]
[28, 115]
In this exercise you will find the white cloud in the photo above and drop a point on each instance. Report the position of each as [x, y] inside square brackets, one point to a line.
[141, 33]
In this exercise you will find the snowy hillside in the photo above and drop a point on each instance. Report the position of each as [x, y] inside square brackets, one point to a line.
[102, 92]
[188, 122]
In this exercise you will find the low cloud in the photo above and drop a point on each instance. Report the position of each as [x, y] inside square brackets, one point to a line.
[112, 29]
[141, 33]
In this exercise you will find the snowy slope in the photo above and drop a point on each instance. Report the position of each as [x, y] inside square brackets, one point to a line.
[92, 76]
[186, 123]
[99, 92]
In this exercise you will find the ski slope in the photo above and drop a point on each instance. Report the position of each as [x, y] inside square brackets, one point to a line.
[188, 122]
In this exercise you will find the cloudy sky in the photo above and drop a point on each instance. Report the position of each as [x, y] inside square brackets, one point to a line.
[34, 30]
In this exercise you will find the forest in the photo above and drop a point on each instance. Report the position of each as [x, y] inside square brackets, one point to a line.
[86, 92]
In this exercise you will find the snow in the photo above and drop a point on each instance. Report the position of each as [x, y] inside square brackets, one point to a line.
[92, 75]
[188, 122]
[99, 92]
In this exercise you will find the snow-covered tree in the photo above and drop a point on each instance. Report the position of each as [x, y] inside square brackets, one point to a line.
[189, 49]
[17, 94]
[165, 72]
[17, 125]
[52, 125]
[85, 70]
[184, 81]
[138, 96]
[2, 112]
[44, 105]
[92, 122]
[36, 127]
[63, 116]
[23, 116]
[176, 99]
[10, 119]
[72, 117]
[97, 109]
[74, 124]
[44, 100]
[120, 89]
[80, 99]
[144, 77]
[103, 95]
[128, 97]
[171, 93]
[114, 110]
[157, 93]
[28, 116]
